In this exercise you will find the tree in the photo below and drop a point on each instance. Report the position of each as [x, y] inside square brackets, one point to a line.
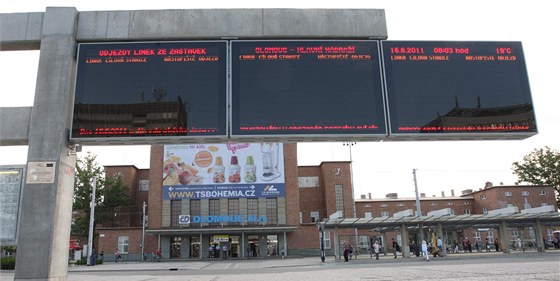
[541, 167]
[110, 192]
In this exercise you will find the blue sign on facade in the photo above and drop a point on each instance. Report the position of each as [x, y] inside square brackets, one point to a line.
[257, 190]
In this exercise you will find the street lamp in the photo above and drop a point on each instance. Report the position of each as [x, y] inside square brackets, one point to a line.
[321, 226]
[350, 144]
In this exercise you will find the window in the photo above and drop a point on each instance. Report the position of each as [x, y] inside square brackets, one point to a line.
[384, 214]
[253, 208]
[300, 217]
[477, 236]
[449, 203]
[271, 210]
[367, 206]
[233, 209]
[466, 203]
[326, 239]
[314, 216]
[527, 205]
[544, 204]
[122, 244]
[434, 204]
[214, 209]
[490, 236]
[549, 234]
[194, 209]
[368, 215]
[482, 197]
[384, 205]
[484, 210]
[144, 185]
[175, 212]
[510, 205]
[400, 204]
[339, 198]
[507, 193]
[466, 212]
[525, 193]
[542, 192]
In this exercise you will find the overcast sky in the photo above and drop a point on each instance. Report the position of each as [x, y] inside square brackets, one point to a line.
[379, 168]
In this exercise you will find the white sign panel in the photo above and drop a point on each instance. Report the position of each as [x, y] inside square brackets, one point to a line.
[40, 172]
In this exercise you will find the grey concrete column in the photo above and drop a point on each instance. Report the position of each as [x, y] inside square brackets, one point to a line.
[539, 236]
[47, 203]
[405, 248]
[383, 242]
[443, 239]
[336, 244]
[504, 238]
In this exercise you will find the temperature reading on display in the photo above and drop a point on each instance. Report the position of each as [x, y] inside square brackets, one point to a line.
[457, 88]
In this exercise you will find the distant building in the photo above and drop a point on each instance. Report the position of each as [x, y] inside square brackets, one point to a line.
[287, 219]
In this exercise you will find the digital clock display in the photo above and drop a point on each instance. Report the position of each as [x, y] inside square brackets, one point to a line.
[461, 88]
[303, 88]
[151, 89]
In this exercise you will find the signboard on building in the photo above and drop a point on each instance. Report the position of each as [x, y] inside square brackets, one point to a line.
[232, 170]
[11, 184]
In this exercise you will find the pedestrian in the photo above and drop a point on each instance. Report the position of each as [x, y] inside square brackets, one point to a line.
[439, 244]
[425, 250]
[217, 252]
[376, 249]
[350, 251]
[118, 255]
[497, 245]
[487, 245]
[93, 258]
[224, 252]
[455, 246]
[101, 255]
[346, 253]
[283, 252]
[396, 247]
[211, 251]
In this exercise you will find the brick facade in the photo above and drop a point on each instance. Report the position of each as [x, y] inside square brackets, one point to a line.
[328, 190]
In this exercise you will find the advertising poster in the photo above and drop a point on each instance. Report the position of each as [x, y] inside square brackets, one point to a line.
[232, 170]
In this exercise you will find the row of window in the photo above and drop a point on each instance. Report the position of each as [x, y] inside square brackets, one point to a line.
[509, 194]
[384, 205]
[214, 209]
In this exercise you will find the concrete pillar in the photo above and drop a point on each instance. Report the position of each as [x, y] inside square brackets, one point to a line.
[405, 248]
[383, 243]
[443, 238]
[539, 236]
[46, 204]
[504, 238]
[336, 244]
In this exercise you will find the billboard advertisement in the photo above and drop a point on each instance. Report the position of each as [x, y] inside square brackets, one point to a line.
[232, 170]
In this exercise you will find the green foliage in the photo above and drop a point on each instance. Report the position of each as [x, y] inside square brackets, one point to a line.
[540, 167]
[110, 193]
[81, 261]
[8, 263]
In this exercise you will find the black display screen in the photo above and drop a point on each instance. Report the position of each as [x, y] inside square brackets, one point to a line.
[151, 89]
[466, 88]
[320, 88]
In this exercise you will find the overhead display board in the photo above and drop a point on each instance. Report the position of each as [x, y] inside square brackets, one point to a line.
[143, 91]
[310, 89]
[459, 90]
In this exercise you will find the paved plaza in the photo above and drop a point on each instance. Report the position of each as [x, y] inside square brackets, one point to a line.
[464, 267]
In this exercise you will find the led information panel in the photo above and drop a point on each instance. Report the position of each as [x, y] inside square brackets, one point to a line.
[151, 89]
[460, 88]
[319, 88]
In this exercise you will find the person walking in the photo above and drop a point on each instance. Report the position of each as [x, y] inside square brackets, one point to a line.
[376, 249]
[118, 255]
[224, 252]
[396, 247]
[425, 250]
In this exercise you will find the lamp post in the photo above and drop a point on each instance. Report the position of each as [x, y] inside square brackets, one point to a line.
[350, 144]
[418, 208]
[91, 220]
